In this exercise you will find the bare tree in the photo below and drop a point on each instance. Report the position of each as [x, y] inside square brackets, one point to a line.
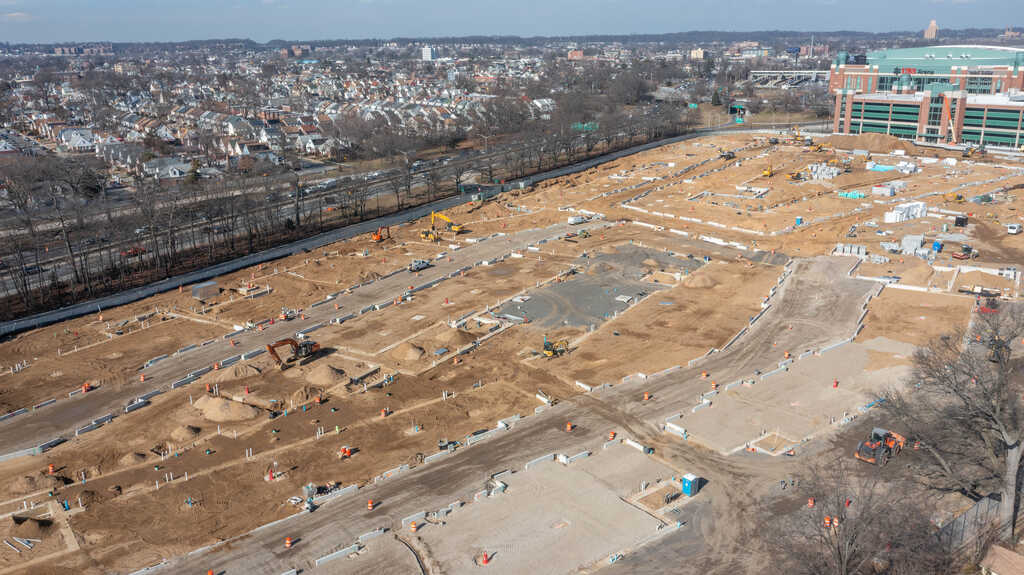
[855, 525]
[963, 402]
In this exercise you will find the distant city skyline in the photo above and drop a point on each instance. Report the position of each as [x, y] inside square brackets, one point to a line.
[46, 21]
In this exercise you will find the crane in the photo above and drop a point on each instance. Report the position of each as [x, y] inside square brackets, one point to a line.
[300, 350]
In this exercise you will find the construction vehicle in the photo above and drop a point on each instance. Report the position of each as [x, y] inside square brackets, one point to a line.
[430, 235]
[998, 350]
[449, 224]
[953, 197]
[300, 350]
[727, 155]
[584, 233]
[795, 176]
[966, 253]
[287, 314]
[971, 151]
[418, 265]
[882, 446]
[555, 348]
[768, 172]
[382, 233]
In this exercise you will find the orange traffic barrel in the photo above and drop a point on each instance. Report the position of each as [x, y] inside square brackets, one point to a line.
[828, 522]
[787, 355]
[611, 435]
[810, 502]
[86, 387]
[835, 383]
[142, 377]
[703, 375]
[369, 504]
[51, 469]
[216, 365]
[287, 542]
[647, 396]
[568, 426]
[413, 527]
[384, 412]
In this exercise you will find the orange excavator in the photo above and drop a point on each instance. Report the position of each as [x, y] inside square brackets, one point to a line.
[382, 233]
[300, 350]
[880, 447]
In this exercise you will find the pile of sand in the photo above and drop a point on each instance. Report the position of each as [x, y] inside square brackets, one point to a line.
[326, 376]
[651, 263]
[878, 143]
[236, 372]
[132, 458]
[184, 433]
[219, 409]
[406, 351]
[307, 393]
[599, 268]
[455, 338]
[367, 276]
[29, 528]
[699, 281]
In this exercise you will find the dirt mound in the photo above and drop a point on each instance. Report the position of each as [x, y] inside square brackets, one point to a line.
[367, 276]
[406, 351]
[89, 497]
[219, 409]
[132, 458]
[878, 143]
[651, 263]
[699, 281]
[185, 432]
[307, 393]
[455, 337]
[326, 376]
[26, 484]
[29, 528]
[599, 268]
[237, 372]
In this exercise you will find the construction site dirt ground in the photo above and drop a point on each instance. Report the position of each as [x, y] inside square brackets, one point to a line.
[684, 295]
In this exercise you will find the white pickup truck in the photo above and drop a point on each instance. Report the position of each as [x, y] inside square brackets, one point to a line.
[418, 265]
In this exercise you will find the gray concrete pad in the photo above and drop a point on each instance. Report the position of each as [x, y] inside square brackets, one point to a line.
[551, 519]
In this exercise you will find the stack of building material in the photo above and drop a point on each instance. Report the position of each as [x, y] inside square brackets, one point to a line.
[907, 211]
[884, 190]
[911, 243]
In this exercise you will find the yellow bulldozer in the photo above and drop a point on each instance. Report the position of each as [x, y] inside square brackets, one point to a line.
[768, 172]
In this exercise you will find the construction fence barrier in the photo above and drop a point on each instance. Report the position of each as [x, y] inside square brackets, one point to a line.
[734, 338]
[806, 354]
[391, 473]
[200, 371]
[156, 359]
[44, 404]
[233, 334]
[310, 329]
[253, 353]
[103, 419]
[186, 348]
[637, 445]
[584, 386]
[51, 444]
[14, 413]
[335, 555]
[229, 360]
[343, 318]
[785, 362]
[321, 499]
[184, 381]
[579, 455]
[135, 405]
[150, 395]
[290, 572]
[761, 313]
[371, 534]
[19, 453]
[87, 428]
[419, 517]
[772, 372]
[832, 346]
[508, 421]
[700, 406]
[542, 459]
[734, 384]
[319, 303]
[436, 456]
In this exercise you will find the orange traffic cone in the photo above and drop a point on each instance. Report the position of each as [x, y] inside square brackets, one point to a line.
[611, 435]
[484, 559]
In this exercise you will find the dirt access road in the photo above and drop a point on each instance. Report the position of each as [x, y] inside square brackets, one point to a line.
[820, 297]
[67, 415]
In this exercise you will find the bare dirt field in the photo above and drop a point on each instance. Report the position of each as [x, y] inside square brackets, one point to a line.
[685, 251]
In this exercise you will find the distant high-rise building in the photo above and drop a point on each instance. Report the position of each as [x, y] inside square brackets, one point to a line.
[931, 31]
[697, 54]
[427, 54]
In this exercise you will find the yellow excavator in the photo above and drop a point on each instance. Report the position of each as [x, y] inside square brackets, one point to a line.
[953, 197]
[449, 224]
[768, 172]
[795, 176]
[555, 348]
[300, 350]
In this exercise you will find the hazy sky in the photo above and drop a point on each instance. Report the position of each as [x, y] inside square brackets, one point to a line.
[262, 20]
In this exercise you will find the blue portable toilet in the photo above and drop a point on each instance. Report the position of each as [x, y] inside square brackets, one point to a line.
[799, 220]
[691, 484]
[937, 246]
